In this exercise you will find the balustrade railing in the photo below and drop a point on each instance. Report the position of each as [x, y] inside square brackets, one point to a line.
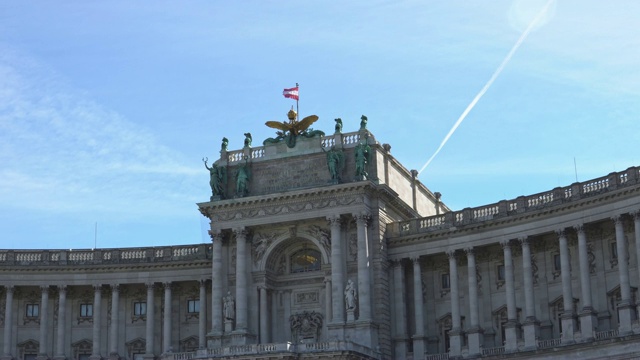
[103, 256]
[548, 343]
[607, 334]
[444, 356]
[522, 204]
[493, 351]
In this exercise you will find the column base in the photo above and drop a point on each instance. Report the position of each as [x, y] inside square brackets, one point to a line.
[568, 328]
[362, 332]
[475, 337]
[588, 324]
[145, 357]
[510, 336]
[531, 330]
[94, 357]
[241, 337]
[400, 347]
[6, 357]
[214, 340]
[418, 346]
[42, 357]
[625, 311]
[60, 357]
[455, 343]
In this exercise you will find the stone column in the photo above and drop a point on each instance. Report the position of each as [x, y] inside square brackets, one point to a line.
[97, 311]
[166, 323]
[568, 315]
[264, 316]
[44, 323]
[364, 283]
[8, 323]
[511, 337]
[636, 230]
[400, 317]
[286, 299]
[328, 301]
[418, 306]
[216, 283]
[588, 316]
[150, 322]
[456, 330]
[202, 315]
[475, 331]
[531, 325]
[337, 270]
[625, 306]
[115, 322]
[62, 321]
[241, 279]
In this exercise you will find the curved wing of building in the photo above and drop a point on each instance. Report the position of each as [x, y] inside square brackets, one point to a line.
[331, 248]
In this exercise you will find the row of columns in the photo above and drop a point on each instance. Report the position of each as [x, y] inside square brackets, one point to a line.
[588, 319]
[334, 285]
[60, 341]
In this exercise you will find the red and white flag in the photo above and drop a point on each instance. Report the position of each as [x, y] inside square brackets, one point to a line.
[291, 93]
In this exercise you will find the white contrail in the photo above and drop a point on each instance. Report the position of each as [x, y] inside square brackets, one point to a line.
[490, 82]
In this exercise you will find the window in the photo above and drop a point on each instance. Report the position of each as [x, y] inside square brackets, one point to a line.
[86, 310]
[614, 250]
[139, 308]
[305, 260]
[556, 262]
[500, 270]
[193, 306]
[444, 280]
[33, 310]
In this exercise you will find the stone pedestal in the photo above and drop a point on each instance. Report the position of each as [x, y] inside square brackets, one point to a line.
[568, 328]
[214, 340]
[588, 324]
[351, 315]
[455, 342]
[241, 337]
[475, 338]
[511, 336]
[228, 326]
[531, 332]
[625, 311]
[418, 346]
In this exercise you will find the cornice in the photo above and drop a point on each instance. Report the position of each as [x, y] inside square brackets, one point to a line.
[87, 268]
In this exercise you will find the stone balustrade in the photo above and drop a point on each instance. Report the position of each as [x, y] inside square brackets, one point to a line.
[104, 256]
[549, 343]
[518, 206]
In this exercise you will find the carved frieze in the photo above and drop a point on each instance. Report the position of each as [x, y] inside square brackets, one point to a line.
[261, 242]
[306, 297]
[322, 235]
[306, 326]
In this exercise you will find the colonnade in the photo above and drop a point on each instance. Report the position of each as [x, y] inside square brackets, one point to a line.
[335, 311]
[530, 326]
[98, 311]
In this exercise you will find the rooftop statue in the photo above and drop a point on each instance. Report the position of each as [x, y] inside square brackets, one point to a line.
[247, 140]
[289, 131]
[217, 179]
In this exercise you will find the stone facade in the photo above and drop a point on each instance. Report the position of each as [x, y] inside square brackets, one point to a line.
[362, 265]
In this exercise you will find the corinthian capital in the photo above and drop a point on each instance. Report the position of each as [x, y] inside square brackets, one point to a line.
[362, 218]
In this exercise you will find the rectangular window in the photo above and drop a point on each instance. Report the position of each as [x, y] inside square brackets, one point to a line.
[33, 310]
[140, 308]
[193, 306]
[445, 281]
[556, 262]
[500, 270]
[614, 250]
[86, 310]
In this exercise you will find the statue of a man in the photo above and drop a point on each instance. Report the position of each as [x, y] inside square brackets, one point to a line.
[242, 179]
[225, 143]
[338, 126]
[350, 295]
[362, 158]
[216, 178]
[247, 139]
[229, 306]
[363, 122]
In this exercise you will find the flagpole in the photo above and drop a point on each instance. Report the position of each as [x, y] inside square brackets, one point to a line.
[298, 99]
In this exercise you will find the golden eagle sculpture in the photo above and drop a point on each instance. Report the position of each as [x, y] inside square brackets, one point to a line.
[290, 130]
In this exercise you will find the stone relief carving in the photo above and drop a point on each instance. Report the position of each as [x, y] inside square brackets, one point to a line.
[308, 297]
[592, 258]
[534, 268]
[282, 265]
[287, 208]
[261, 243]
[323, 236]
[306, 326]
[353, 247]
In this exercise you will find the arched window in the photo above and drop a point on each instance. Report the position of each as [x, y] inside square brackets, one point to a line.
[305, 260]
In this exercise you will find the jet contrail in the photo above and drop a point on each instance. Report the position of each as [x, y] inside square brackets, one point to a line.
[490, 82]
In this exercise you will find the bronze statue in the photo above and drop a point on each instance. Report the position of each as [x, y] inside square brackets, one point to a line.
[338, 126]
[243, 176]
[217, 178]
[362, 153]
[247, 139]
[335, 163]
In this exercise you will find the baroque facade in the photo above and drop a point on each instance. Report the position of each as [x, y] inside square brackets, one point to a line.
[327, 247]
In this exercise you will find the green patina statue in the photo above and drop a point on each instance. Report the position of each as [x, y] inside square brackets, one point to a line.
[247, 140]
[243, 175]
[225, 143]
[362, 154]
[335, 163]
[217, 179]
[289, 131]
[338, 126]
[363, 122]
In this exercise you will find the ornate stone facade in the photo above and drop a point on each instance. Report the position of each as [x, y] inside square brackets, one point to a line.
[367, 265]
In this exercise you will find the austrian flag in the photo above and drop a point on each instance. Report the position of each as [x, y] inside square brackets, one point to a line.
[291, 93]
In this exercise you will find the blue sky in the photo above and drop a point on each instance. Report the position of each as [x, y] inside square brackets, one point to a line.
[107, 108]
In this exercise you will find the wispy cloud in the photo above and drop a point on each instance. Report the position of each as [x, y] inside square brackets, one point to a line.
[63, 152]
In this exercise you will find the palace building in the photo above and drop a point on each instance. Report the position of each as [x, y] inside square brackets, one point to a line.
[326, 246]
